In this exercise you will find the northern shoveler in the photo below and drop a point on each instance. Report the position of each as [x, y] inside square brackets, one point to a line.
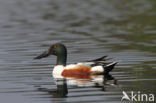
[77, 70]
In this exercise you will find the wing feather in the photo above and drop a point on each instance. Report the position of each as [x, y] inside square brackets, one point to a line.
[102, 61]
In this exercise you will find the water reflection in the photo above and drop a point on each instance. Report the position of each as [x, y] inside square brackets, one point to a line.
[97, 81]
[61, 90]
[123, 30]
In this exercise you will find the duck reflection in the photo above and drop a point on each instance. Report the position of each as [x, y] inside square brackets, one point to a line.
[60, 92]
[97, 81]
[93, 81]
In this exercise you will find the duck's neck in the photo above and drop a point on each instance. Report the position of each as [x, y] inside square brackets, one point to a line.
[61, 59]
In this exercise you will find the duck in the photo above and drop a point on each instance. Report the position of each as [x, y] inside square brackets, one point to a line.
[85, 69]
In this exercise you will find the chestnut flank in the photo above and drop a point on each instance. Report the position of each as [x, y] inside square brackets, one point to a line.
[79, 72]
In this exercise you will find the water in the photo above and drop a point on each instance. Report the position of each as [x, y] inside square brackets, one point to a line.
[124, 30]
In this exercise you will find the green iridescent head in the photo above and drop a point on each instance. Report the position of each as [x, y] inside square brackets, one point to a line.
[58, 50]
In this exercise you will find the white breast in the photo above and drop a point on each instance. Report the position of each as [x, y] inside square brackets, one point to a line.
[57, 71]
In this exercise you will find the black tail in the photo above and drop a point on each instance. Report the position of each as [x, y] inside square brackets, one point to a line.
[109, 67]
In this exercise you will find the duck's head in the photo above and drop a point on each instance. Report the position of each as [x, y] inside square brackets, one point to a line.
[58, 50]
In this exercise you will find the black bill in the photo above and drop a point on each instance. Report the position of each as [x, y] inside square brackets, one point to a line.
[43, 55]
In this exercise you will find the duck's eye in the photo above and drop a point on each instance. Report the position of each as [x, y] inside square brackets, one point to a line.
[54, 46]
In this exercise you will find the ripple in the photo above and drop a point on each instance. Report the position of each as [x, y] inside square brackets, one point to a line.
[123, 30]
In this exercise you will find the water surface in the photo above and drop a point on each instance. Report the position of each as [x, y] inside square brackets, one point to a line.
[124, 30]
